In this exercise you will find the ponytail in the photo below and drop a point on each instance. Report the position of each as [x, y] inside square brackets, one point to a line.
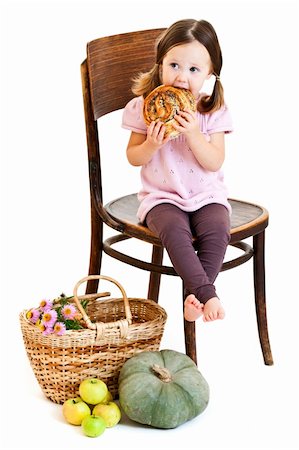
[213, 102]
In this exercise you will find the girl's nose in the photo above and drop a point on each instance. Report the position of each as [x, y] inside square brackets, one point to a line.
[182, 76]
[182, 73]
[182, 79]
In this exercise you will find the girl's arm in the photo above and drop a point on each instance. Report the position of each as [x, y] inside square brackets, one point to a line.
[210, 155]
[141, 147]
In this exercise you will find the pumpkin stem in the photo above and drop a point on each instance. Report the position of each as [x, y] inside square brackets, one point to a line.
[162, 373]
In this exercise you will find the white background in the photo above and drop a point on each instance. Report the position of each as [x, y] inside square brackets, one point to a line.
[45, 216]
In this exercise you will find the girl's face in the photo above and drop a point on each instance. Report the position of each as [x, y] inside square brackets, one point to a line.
[186, 66]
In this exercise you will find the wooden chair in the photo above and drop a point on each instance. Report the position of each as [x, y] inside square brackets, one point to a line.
[106, 82]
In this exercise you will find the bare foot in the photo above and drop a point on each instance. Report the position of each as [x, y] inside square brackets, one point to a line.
[213, 310]
[193, 309]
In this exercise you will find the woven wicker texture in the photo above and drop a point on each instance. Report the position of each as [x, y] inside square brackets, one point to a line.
[118, 328]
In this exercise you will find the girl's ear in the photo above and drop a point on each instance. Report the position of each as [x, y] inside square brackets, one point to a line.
[209, 75]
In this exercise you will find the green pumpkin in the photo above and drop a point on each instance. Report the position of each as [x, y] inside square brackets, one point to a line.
[163, 389]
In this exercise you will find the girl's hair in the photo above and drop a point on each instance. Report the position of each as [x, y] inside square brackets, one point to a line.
[183, 32]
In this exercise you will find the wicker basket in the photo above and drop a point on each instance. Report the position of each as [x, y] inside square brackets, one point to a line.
[117, 329]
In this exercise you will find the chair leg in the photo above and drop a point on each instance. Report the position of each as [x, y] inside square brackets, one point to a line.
[190, 336]
[260, 295]
[96, 250]
[190, 340]
[155, 277]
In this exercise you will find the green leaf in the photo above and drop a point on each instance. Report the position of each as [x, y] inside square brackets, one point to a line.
[73, 324]
[84, 303]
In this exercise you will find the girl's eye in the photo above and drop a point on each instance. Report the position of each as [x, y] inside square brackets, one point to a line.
[194, 69]
[174, 65]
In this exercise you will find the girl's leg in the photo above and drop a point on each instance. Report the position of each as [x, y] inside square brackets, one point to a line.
[211, 225]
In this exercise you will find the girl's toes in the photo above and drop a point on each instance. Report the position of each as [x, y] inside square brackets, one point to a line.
[221, 315]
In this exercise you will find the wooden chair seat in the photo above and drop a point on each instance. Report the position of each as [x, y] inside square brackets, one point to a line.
[247, 218]
[107, 74]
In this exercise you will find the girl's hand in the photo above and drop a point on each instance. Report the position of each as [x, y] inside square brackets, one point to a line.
[155, 134]
[187, 122]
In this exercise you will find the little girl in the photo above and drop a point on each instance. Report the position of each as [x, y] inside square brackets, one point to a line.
[183, 194]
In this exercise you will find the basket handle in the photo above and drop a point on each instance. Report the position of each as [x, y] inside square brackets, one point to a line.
[91, 325]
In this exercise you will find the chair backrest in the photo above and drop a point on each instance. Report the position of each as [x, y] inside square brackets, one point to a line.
[112, 62]
[107, 74]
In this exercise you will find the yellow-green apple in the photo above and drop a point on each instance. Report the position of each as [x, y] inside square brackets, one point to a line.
[74, 410]
[108, 398]
[92, 390]
[93, 426]
[110, 413]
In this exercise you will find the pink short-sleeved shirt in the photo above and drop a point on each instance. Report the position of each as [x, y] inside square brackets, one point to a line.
[173, 175]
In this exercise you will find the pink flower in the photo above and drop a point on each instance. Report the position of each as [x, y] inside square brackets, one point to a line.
[69, 311]
[33, 315]
[59, 328]
[49, 318]
[45, 305]
[47, 331]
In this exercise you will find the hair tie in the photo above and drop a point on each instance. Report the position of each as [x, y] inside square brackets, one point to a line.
[217, 77]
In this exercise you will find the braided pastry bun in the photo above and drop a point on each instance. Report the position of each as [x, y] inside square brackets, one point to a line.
[163, 103]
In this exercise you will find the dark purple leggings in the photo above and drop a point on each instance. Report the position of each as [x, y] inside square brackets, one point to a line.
[211, 226]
